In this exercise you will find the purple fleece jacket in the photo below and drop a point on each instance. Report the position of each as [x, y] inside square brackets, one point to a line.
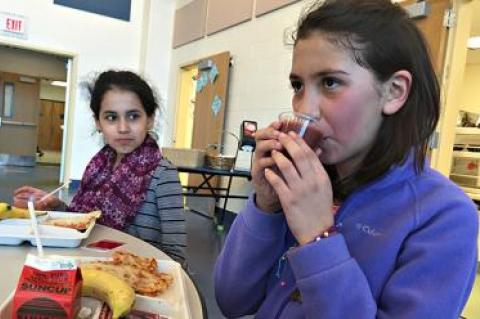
[406, 248]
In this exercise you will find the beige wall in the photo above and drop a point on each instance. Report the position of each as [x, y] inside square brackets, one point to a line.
[470, 93]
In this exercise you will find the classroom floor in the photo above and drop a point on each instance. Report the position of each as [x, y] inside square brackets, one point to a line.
[204, 242]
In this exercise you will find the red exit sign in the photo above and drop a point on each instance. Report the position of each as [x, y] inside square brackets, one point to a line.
[13, 25]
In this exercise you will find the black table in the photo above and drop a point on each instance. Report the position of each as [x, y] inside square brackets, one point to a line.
[214, 192]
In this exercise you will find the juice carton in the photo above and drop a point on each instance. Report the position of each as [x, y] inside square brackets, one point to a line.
[48, 288]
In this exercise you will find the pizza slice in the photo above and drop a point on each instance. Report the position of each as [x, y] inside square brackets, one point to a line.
[78, 222]
[127, 258]
[140, 272]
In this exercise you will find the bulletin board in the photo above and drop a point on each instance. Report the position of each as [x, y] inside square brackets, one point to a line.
[265, 6]
[119, 9]
[223, 14]
[189, 22]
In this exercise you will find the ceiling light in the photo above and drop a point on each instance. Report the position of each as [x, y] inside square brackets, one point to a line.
[474, 43]
[59, 83]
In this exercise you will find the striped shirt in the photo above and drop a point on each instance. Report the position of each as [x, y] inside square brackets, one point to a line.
[160, 220]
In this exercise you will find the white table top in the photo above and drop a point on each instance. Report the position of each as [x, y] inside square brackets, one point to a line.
[13, 257]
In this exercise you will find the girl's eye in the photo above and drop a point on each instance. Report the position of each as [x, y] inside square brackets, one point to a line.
[296, 86]
[133, 116]
[110, 117]
[330, 83]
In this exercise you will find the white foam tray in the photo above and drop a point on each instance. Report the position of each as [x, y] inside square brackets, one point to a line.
[16, 231]
[171, 304]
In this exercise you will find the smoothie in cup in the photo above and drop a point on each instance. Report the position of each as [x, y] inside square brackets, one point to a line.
[305, 125]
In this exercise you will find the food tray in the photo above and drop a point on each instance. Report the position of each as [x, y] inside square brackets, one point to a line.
[171, 304]
[16, 231]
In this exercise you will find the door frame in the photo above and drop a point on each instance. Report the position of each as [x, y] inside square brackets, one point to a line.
[70, 93]
[453, 73]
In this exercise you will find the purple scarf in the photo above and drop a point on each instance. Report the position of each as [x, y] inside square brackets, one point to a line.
[118, 192]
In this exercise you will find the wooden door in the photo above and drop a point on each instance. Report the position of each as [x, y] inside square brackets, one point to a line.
[208, 122]
[19, 103]
[57, 124]
[435, 33]
[44, 126]
[50, 125]
[208, 115]
[433, 29]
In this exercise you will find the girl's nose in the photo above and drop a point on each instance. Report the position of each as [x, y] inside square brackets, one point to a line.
[123, 125]
[309, 105]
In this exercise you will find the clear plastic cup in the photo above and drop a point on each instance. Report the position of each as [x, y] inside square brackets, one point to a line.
[305, 125]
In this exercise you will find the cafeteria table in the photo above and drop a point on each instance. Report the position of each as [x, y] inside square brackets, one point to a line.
[13, 257]
[214, 191]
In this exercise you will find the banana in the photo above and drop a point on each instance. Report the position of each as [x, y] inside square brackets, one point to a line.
[7, 211]
[109, 288]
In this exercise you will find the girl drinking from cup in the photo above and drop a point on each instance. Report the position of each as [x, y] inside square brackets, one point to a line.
[357, 225]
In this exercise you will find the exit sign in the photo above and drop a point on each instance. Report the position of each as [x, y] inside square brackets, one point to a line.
[13, 25]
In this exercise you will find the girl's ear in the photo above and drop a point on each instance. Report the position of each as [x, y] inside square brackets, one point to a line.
[397, 91]
[150, 122]
[97, 124]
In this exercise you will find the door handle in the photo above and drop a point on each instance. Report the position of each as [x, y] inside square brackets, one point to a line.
[18, 123]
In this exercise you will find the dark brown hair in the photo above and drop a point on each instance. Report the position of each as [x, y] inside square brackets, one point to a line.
[125, 81]
[383, 39]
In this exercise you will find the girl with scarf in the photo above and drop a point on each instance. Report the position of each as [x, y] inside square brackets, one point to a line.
[137, 190]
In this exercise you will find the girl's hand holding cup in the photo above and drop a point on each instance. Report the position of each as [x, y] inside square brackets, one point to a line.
[266, 140]
[301, 182]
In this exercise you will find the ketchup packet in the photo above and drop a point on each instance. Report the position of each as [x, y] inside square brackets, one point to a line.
[48, 288]
[104, 244]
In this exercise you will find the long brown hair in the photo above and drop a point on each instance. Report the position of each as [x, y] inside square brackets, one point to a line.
[383, 39]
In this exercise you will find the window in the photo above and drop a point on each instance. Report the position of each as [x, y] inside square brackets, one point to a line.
[8, 97]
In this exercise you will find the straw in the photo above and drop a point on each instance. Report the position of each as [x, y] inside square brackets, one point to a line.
[33, 218]
[52, 193]
[304, 127]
